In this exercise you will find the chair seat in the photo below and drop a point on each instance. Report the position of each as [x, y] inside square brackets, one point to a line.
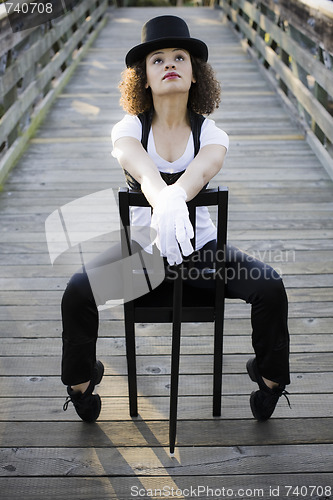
[157, 306]
[165, 315]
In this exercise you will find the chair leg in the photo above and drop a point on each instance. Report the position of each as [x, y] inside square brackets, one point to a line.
[175, 351]
[218, 361]
[131, 366]
[218, 357]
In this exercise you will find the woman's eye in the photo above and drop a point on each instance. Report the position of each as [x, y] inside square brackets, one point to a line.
[180, 58]
[158, 60]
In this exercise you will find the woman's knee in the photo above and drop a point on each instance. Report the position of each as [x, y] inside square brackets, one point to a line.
[271, 288]
[77, 292]
[79, 313]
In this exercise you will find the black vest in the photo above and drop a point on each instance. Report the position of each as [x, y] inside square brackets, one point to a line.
[196, 122]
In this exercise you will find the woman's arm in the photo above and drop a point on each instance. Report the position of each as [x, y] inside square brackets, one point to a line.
[170, 218]
[170, 214]
[202, 169]
[135, 159]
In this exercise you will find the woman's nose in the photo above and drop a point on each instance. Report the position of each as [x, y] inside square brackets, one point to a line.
[169, 65]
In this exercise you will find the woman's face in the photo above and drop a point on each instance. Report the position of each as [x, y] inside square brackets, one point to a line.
[169, 71]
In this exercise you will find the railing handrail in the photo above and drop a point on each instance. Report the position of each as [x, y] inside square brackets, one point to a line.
[322, 6]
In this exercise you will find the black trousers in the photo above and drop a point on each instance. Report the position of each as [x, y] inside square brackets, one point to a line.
[247, 278]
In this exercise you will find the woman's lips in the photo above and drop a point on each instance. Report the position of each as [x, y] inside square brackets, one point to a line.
[169, 76]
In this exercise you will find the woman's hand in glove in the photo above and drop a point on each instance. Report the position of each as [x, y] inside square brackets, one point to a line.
[171, 221]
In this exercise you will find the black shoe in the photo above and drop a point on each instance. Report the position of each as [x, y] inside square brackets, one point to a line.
[264, 401]
[87, 405]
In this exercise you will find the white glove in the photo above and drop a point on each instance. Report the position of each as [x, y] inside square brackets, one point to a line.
[171, 221]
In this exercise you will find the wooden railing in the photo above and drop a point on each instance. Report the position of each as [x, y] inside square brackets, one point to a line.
[35, 65]
[293, 43]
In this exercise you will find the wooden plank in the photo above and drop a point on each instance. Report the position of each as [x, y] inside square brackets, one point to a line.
[236, 158]
[82, 221]
[19, 202]
[202, 345]
[52, 328]
[159, 385]
[233, 310]
[106, 175]
[291, 280]
[249, 246]
[44, 365]
[48, 328]
[157, 408]
[316, 197]
[276, 234]
[155, 461]
[120, 488]
[45, 298]
[162, 345]
[145, 434]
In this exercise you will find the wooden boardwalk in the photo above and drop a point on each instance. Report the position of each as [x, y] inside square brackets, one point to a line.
[281, 204]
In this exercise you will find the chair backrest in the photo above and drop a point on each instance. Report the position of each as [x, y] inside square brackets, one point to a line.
[209, 197]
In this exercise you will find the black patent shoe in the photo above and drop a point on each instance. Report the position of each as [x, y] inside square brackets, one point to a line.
[87, 405]
[264, 401]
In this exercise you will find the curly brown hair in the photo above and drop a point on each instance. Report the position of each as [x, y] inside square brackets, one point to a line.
[204, 95]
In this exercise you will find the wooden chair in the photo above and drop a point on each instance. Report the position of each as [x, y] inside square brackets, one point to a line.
[168, 304]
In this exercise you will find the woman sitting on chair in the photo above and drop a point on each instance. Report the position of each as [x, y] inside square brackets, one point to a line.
[166, 88]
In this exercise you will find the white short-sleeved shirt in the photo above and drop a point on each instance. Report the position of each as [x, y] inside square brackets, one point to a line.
[130, 126]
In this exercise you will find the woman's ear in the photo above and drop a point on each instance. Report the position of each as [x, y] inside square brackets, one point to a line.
[146, 86]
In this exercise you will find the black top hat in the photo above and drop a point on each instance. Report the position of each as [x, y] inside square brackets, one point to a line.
[165, 32]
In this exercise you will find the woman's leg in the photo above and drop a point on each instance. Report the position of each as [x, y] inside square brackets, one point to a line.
[80, 327]
[260, 285]
[101, 280]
